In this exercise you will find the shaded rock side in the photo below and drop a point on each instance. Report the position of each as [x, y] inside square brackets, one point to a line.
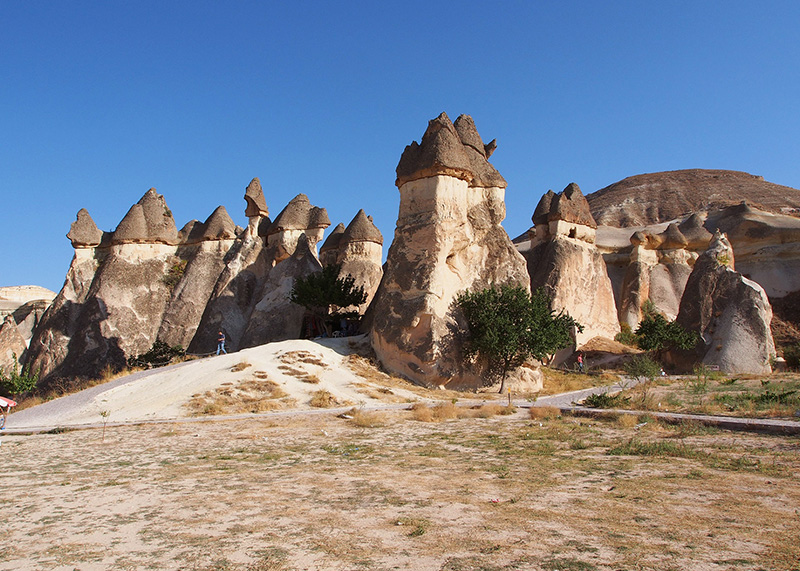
[448, 239]
[12, 344]
[58, 325]
[730, 312]
[329, 252]
[360, 253]
[275, 317]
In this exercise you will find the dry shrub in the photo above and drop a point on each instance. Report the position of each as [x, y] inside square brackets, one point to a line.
[240, 366]
[312, 379]
[445, 411]
[627, 420]
[323, 399]
[489, 410]
[544, 412]
[367, 418]
[261, 375]
[421, 412]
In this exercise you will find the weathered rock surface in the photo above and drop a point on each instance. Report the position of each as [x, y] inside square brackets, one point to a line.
[448, 239]
[359, 250]
[652, 198]
[730, 312]
[275, 317]
[84, 232]
[12, 345]
[563, 259]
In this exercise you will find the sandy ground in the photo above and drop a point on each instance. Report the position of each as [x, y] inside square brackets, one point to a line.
[163, 393]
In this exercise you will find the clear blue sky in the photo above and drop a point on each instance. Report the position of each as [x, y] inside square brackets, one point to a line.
[100, 101]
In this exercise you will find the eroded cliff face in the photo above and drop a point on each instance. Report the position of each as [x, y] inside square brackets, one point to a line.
[448, 239]
[562, 258]
[146, 281]
[730, 312]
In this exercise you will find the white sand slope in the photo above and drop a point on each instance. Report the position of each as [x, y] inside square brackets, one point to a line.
[163, 393]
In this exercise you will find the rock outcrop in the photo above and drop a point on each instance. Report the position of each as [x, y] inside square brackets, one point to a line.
[448, 239]
[562, 259]
[647, 199]
[358, 249]
[731, 313]
[12, 345]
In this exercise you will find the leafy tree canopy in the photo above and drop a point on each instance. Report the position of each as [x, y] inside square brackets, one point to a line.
[328, 296]
[655, 333]
[507, 326]
[13, 383]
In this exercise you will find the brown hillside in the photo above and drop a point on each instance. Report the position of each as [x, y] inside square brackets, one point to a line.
[657, 197]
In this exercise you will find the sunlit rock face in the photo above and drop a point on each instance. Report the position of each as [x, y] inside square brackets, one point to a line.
[731, 313]
[563, 259]
[358, 248]
[448, 239]
[12, 344]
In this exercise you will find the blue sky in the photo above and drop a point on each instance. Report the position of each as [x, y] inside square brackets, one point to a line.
[100, 101]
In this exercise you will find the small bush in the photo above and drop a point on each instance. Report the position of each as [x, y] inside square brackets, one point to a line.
[367, 419]
[626, 336]
[323, 399]
[605, 400]
[421, 412]
[792, 356]
[642, 367]
[544, 412]
[160, 354]
[15, 383]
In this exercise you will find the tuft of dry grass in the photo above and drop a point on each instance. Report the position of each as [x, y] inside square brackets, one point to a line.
[544, 412]
[448, 410]
[562, 382]
[627, 420]
[323, 399]
[367, 418]
[240, 366]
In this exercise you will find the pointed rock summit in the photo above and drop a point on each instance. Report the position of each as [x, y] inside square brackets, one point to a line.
[83, 233]
[254, 197]
[148, 221]
[455, 150]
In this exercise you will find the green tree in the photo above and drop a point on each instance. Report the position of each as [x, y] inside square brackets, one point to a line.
[327, 296]
[15, 383]
[657, 334]
[507, 326]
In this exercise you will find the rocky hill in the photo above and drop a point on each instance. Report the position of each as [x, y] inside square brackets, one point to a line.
[651, 198]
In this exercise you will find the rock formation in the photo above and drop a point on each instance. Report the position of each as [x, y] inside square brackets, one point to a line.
[562, 258]
[652, 198]
[448, 239]
[730, 312]
[250, 301]
[12, 345]
[359, 250]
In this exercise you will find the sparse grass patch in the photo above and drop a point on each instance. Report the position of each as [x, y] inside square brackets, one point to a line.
[252, 395]
[544, 412]
[414, 526]
[562, 382]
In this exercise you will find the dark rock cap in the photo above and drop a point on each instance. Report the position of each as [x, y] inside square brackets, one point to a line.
[333, 240]
[571, 206]
[697, 237]
[84, 232]
[219, 226]
[254, 197]
[149, 220]
[543, 208]
[448, 149]
[672, 238]
[299, 214]
[191, 233]
[361, 229]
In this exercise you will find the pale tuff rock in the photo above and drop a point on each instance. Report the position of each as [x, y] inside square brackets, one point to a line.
[83, 233]
[299, 217]
[730, 312]
[360, 253]
[448, 239]
[563, 259]
[12, 344]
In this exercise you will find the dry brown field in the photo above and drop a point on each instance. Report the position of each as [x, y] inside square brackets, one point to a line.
[401, 490]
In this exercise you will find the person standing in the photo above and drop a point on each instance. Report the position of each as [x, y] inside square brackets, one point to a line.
[221, 343]
[580, 362]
